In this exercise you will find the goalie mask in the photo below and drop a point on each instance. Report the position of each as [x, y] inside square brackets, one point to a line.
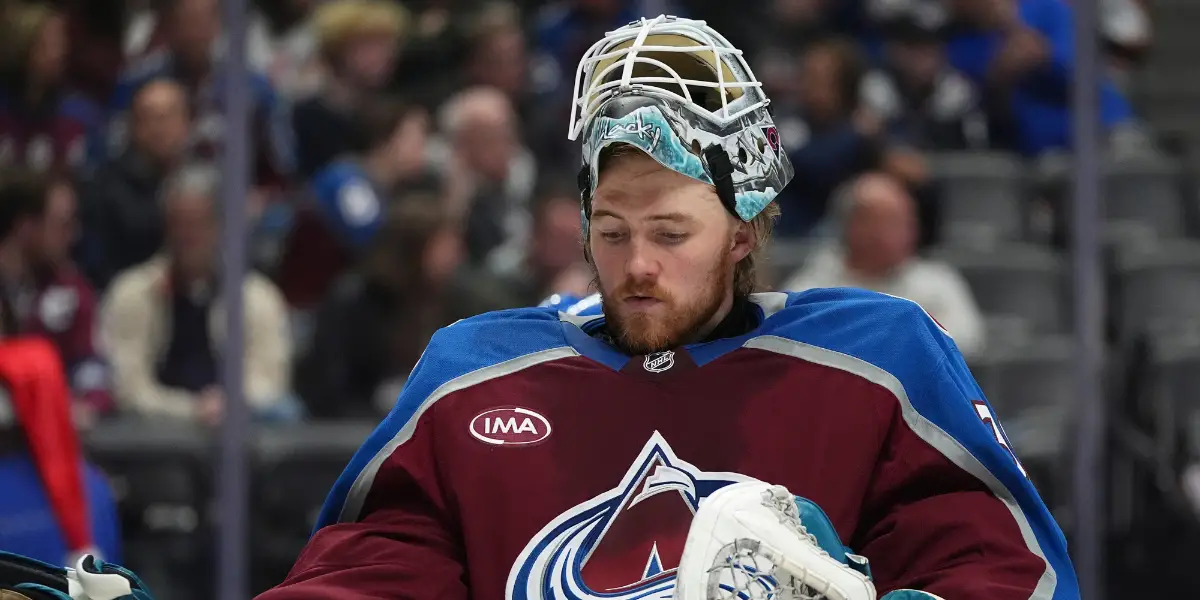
[677, 90]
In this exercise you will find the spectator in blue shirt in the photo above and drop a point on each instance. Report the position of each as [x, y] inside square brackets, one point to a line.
[349, 191]
[1021, 52]
[827, 138]
[831, 137]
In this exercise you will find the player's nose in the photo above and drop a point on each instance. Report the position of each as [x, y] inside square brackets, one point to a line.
[642, 263]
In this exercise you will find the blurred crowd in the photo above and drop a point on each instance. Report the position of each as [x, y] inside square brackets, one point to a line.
[410, 168]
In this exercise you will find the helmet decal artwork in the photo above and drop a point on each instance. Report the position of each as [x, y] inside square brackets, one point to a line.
[677, 90]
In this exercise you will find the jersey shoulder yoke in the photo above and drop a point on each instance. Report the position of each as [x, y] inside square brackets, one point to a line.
[892, 333]
[488, 340]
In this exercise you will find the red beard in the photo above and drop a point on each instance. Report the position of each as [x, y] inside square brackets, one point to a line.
[638, 332]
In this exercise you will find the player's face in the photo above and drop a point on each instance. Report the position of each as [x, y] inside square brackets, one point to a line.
[664, 250]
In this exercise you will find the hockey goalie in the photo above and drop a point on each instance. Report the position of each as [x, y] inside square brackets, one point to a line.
[682, 435]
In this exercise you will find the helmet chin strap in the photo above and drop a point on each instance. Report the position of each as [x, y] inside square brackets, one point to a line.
[719, 168]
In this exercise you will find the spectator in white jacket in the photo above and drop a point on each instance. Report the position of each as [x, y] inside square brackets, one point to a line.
[877, 222]
[162, 323]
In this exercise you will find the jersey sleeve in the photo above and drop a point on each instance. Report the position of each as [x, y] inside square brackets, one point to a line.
[949, 509]
[952, 510]
[389, 527]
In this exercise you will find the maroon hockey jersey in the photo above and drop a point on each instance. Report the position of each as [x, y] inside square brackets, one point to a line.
[527, 459]
[61, 306]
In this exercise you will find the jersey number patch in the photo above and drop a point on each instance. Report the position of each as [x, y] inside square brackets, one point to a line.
[985, 414]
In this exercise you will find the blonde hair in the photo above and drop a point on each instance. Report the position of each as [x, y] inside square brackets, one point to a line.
[746, 279]
[342, 21]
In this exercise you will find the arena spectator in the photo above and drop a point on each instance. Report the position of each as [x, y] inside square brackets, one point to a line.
[777, 32]
[349, 197]
[831, 136]
[49, 297]
[492, 175]
[121, 212]
[1021, 53]
[359, 42]
[924, 102]
[162, 323]
[42, 124]
[787, 25]
[282, 44]
[390, 151]
[95, 29]
[191, 57]
[373, 326]
[431, 66]
[553, 264]
[498, 57]
[828, 138]
[54, 505]
[878, 223]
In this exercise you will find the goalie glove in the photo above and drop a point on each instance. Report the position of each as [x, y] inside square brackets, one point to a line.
[23, 578]
[752, 541]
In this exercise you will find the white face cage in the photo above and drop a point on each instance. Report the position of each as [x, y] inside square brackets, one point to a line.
[640, 51]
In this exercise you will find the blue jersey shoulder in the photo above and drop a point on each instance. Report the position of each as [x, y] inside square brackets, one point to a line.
[894, 343]
[491, 338]
[864, 324]
[463, 348]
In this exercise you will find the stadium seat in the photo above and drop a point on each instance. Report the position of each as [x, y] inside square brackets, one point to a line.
[983, 196]
[160, 474]
[295, 466]
[1173, 393]
[1143, 196]
[1156, 282]
[1155, 430]
[1015, 282]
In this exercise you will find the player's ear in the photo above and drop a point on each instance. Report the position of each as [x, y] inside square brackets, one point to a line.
[744, 240]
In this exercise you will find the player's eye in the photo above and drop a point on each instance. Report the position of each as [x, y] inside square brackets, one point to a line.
[611, 236]
[672, 237]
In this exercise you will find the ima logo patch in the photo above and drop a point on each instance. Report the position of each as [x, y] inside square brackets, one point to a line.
[659, 361]
[510, 426]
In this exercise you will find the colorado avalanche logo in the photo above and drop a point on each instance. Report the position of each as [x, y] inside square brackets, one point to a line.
[624, 544]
